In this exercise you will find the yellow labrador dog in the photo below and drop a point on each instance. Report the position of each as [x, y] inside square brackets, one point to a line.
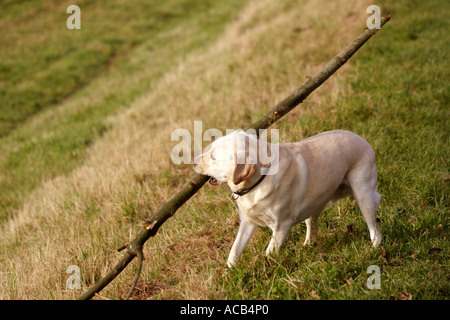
[300, 180]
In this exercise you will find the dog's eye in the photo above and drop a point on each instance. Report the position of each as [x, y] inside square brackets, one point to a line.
[211, 157]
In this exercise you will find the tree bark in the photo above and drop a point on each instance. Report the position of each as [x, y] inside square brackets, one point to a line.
[152, 224]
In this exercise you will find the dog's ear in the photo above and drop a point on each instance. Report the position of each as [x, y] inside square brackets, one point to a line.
[243, 172]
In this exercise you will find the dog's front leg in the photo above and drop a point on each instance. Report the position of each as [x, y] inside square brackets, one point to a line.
[246, 230]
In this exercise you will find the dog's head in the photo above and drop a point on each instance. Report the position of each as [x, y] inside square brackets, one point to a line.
[233, 158]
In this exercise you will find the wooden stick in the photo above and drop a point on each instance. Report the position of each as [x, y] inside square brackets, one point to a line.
[152, 224]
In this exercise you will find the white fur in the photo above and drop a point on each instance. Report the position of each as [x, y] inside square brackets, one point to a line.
[305, 177]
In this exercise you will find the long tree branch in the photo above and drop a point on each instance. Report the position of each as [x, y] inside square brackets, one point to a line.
[152, 224]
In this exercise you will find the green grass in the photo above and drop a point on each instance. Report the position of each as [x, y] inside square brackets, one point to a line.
[43, 64]
[400, 103]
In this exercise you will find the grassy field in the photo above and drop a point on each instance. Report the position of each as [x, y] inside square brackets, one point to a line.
[86, 118]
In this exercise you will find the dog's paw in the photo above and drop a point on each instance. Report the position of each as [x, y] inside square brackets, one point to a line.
[231, 264]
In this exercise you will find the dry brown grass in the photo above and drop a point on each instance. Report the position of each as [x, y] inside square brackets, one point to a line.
[81, 219]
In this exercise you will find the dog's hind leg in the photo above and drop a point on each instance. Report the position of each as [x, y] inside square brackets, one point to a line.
[368, 202]
[312, 225]
[280, 233]
[364, 188]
